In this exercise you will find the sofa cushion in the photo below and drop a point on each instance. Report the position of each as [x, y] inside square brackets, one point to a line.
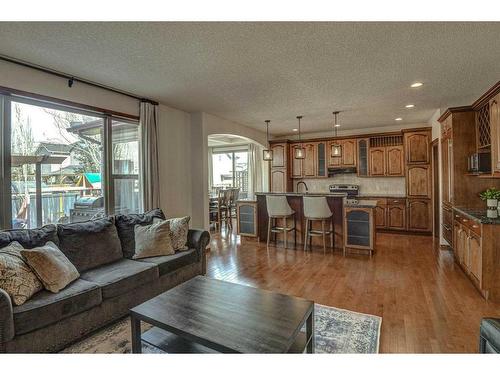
[30, 238]
[125, 225]
[122, 276]
[45, 308]
[170, 263]
[90, 244]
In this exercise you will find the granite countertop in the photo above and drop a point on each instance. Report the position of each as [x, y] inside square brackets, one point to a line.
[363, 203]
[312, 194]
[477, 215]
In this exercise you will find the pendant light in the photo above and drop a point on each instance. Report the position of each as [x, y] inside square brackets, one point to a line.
[267, 154]
[299, 152]
[336, 148]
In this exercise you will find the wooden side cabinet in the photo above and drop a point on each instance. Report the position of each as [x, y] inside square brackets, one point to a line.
[247, 218]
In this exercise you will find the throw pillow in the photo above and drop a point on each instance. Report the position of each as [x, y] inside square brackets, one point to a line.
[125, 225]
[52, 267]
[153, 240]
[179, 228]
[16, 277]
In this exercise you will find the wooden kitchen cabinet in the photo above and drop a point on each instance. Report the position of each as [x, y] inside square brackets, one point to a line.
[377, 161]
[395, 161]
[363, 145]
[495, 133]
[419, 213]
[418, 181]
[380, 214]
[279, 155]
[446, 170]
[296, 169]
[322, 170]
[349, 153]
[278, 180]
[475, 257]
[396, 214]
[417, 147]
[309, 163]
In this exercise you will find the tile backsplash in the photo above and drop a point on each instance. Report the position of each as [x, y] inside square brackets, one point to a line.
[367, 185]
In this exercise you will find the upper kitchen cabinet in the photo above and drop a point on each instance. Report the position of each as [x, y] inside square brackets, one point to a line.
[309, 163]
[280, 151]
[495, 133]
[395, 161]
[363, 168]
[417, 145]
[322, 170]
[296, 164]
[279, 176]
[348, 157]
[377, 161]
[386, 156]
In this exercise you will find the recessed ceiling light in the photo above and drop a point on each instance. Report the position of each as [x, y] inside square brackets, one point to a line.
[416, 84]
[398, 119]
[337, 125]
[295, 130]
[410, 105]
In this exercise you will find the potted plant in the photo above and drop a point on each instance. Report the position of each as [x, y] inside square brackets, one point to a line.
[491, 197]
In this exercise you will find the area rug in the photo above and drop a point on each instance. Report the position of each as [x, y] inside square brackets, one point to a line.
[337, 331]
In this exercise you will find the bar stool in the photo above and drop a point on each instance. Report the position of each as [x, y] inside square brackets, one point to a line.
[317, 209]
[278, 208]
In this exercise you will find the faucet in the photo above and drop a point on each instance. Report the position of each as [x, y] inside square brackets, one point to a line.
[305, 185]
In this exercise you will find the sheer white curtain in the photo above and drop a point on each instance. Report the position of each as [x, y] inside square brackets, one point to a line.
[150, 182]
[257, 170]
[210, 170]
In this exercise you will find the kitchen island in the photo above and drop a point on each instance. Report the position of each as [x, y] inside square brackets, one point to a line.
[335, 201]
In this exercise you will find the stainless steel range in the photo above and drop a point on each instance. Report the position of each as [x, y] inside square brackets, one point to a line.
[350, 190]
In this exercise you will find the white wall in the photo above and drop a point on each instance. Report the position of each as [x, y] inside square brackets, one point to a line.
[203, 125]
[26, 79]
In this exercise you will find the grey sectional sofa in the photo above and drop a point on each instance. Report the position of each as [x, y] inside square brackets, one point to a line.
[109, 285]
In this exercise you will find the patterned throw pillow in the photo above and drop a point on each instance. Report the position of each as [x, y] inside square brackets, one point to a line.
[16, 277]
[153, 240]
[52, 267]
[179, 228]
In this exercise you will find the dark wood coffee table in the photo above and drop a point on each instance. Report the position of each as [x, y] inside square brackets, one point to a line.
[207, 315]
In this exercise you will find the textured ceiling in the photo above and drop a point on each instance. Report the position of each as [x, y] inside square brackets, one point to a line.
[250, 72]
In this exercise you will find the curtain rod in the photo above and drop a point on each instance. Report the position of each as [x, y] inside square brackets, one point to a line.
[71, 79]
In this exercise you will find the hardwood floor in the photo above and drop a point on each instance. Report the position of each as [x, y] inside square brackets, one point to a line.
[426, 303]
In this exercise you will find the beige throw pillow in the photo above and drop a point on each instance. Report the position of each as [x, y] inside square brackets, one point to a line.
[179, 228]
[153, 240]
[16, 277]
[52, 267]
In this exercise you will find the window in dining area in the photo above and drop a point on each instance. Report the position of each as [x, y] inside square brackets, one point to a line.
[230, 169]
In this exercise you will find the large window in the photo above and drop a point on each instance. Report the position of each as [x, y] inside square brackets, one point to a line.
[230, 169]
[55, 159]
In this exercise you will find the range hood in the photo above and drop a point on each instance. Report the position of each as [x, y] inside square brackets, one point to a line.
[334, 171]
